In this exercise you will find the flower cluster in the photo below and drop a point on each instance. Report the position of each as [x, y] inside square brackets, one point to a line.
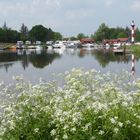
[89, 106]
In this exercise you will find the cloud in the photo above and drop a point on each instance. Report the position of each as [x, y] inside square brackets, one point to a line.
[109, 3]
[68, 16]
[79, 14]
[136, 6]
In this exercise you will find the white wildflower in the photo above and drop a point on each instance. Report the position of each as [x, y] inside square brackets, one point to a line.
[120, 124]
[101, 132]
[125, 104]
[116, 130]
[53, 132]
[92, 138]
[134, 125]
[36, 130]
[65, 136]
[128, 122]
[73, 129]
[87, 126]
[113, 121]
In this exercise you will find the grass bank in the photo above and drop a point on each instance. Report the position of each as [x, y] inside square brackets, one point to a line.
[89, 106]
[135, 49]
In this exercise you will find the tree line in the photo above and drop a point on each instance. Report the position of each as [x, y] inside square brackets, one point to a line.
[105, 32]
[41, 33]
[38, 32]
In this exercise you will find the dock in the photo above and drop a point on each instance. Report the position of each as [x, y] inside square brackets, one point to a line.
[121, 51]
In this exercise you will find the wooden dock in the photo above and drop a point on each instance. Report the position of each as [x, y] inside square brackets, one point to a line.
[121, 51]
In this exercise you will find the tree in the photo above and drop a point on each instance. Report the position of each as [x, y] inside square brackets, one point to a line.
[57, 36]
[122, 35]
[102, 32]
[24, 32]
[137, 34]
[5, 26]
[80, 36]
[38, 32]
[50, 34]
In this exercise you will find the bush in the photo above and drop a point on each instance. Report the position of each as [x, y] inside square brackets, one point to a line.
[88, 106]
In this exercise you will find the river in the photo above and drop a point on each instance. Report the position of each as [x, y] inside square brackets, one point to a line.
[33, 65]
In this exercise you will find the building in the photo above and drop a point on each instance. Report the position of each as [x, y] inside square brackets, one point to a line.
[116, 42]
[87, 40]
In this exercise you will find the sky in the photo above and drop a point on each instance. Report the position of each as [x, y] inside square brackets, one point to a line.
[69, 17]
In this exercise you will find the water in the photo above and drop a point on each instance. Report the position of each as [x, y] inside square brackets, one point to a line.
[33, 64]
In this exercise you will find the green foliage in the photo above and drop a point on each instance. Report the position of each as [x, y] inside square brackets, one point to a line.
[137, 35]
[81, 35]
[122, 35]
[88, 106]
[24, 33]
[57, 36]
[8, 35]
[37, 32]
[43, 34]
[102, 32]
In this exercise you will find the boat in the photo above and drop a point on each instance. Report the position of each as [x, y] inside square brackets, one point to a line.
[59, 44]
[71, 44]
[88, 46]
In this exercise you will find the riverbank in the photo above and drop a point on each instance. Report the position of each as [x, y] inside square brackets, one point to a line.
[6, 45]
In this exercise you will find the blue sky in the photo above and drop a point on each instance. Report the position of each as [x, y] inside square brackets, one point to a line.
[69, 17]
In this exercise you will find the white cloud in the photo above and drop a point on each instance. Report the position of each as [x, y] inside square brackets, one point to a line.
[53, 2]
[78, 14]
[109, 3]
[136, 5]
[68, 16]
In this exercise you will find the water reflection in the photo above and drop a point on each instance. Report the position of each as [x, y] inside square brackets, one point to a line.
[104, 58]
[39, 59]
[42, 58]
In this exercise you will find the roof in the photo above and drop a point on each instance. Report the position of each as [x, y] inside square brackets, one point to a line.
[116, 40]
[84, 40]
[123, 39]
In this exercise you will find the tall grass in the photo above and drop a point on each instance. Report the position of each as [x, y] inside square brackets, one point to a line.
[89, 106]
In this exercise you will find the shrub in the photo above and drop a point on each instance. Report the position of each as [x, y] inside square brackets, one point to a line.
[88, 106]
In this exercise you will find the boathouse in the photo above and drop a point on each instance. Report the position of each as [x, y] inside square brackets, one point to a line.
[118, 41]
[87, 40]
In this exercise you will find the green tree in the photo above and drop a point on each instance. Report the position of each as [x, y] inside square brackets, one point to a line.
[122, 35]
[73, 38]
[49, 35]
[102, 32]
[5, 26]
[57, 36]
[8, 36]
[38, 32]
[24, 32]
[137, 34]
[80, 36]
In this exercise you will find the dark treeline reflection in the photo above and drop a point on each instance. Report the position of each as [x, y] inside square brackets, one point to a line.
[39, 59]
[104, 57]
[42, 58]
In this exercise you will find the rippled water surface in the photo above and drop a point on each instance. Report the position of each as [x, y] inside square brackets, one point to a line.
[33, 64]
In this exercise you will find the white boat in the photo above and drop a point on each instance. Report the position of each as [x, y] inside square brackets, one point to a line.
[38, 47]
[88, 46]
[59, 50]
[59, 44]
[71, 44]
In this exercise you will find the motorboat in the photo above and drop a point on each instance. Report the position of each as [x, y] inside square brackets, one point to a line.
[71, 44]
[59, 44]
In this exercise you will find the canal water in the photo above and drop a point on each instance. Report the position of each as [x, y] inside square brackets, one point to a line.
[33, 65]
